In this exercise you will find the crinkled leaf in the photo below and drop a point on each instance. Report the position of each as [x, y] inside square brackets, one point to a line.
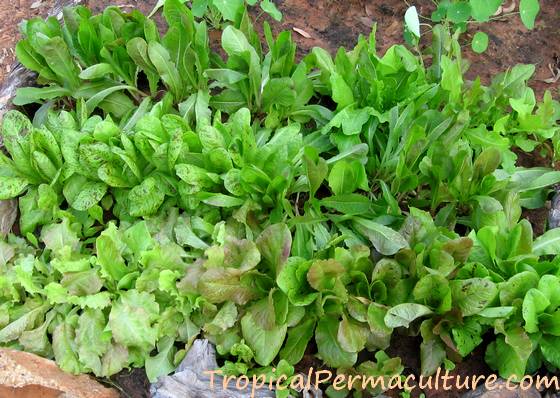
[131, 320]
[92, 340]
[64, 347]
[224, 319]
[221, 285]
[56, 237]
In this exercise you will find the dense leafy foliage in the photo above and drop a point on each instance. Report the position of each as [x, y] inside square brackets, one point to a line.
[263, 202]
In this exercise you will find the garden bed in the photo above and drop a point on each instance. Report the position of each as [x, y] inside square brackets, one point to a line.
[331, 24]
[334, 23]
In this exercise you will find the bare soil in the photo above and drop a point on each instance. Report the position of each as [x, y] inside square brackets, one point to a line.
[335, 23]
[132, 384]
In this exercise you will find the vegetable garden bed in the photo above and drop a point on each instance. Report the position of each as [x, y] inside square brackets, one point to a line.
[295, 208]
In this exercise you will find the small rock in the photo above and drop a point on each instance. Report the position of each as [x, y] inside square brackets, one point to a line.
[500, 390]
[24, 375]
[309, 393]
[554, 213]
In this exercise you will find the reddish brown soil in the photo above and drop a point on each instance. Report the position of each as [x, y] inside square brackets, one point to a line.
[335, 23]
[11, 14]
[511, 43]
[537, 217]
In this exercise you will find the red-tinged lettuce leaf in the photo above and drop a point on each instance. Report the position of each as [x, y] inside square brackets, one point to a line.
[218, 285]
[114, 360]
[324, 274]
[275, 244]
[352, 335]
[131, 320]
[57, 237]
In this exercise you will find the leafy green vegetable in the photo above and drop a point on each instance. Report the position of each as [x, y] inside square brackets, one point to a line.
[480, 42]
[328, 346]
[262, 202]
[528, 10]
